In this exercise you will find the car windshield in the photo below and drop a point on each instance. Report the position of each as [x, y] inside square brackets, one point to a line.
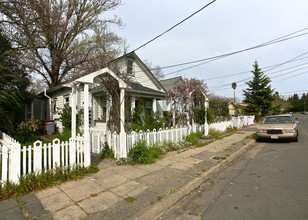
[278, 120]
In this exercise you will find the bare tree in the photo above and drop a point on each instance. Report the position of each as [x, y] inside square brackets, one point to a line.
[156, 70]
[58, 38]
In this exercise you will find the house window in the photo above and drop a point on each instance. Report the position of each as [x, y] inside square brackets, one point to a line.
[130, 63]
[66, 101]
[54, 105]
[148, 107]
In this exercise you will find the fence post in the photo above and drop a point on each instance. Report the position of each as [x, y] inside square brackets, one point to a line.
[123, 149]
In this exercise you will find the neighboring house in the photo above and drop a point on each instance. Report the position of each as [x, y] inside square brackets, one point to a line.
[235, 109]
[143, 89]
[168, 84]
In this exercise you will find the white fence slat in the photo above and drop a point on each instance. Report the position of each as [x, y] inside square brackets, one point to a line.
[14, 163]
[56, 152]
[37, 156]
[5, 157]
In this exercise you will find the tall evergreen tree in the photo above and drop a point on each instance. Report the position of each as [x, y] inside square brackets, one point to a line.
[13, 85]
[259, 96]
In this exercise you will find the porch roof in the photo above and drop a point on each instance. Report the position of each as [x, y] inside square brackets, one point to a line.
[138, 88]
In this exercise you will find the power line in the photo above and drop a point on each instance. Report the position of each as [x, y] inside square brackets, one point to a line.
[211, 59]
[175, 25]
[225, 86]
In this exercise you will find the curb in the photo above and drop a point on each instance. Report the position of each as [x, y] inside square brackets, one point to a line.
[158, 208]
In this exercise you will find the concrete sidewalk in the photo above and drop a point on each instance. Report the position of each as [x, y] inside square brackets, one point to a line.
[131, 192]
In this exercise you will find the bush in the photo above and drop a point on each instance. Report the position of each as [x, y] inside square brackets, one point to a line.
[66, 117]
[142, 154]
[106, 152]
[139, 154]
[230, 129]
[194, 138]
[215, 133]
[28, 132]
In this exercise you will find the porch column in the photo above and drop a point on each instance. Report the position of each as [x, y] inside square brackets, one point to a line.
[133, 104]
[87, 149]
[154, 105]
[123, 150]
[108, 106]
[73, 124]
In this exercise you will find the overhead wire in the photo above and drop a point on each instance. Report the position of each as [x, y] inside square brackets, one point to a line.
[174, 26]
[226, 86]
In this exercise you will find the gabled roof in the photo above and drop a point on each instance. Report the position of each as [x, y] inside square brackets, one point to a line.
[169, 83]
[136, 87]
[146, 70]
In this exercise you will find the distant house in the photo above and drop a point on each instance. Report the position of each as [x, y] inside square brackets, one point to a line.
[143, 90]
[168, 84]
[235, 109]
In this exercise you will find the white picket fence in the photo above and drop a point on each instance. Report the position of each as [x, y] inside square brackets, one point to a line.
[17, 161]
[235, 122]
[98, 137]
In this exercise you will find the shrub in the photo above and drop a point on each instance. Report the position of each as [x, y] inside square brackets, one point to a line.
[230, 129]
[142, 154]
[66, 117]
[215, 133]
[106, 152]
[194, 138]
[28, 132]
[139, 154]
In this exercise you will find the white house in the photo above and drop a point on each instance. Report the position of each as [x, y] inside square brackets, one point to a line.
[142, 87]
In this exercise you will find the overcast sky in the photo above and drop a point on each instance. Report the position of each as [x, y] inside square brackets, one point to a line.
[225, 26]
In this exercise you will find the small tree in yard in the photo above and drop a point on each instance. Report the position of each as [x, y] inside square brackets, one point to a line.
[259, 96]
[187, 96]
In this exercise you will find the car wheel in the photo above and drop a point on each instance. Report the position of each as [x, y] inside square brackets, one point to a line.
[296, 139]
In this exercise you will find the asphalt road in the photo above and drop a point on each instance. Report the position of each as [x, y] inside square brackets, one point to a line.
[268, 182]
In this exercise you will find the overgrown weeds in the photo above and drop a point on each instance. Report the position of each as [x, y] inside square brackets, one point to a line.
[44, 179]
[106, 152]
[141, 153]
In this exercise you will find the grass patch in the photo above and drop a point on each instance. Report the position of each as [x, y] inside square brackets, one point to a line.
[159, 197]
[130, 199]
[172, 191]
[44, 179]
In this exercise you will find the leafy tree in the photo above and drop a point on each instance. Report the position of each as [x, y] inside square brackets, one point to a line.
[13, 85]
[259, 96]
[218, 108]
[186, 97]
[297, 104]
[234, 85]
[60, 39]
